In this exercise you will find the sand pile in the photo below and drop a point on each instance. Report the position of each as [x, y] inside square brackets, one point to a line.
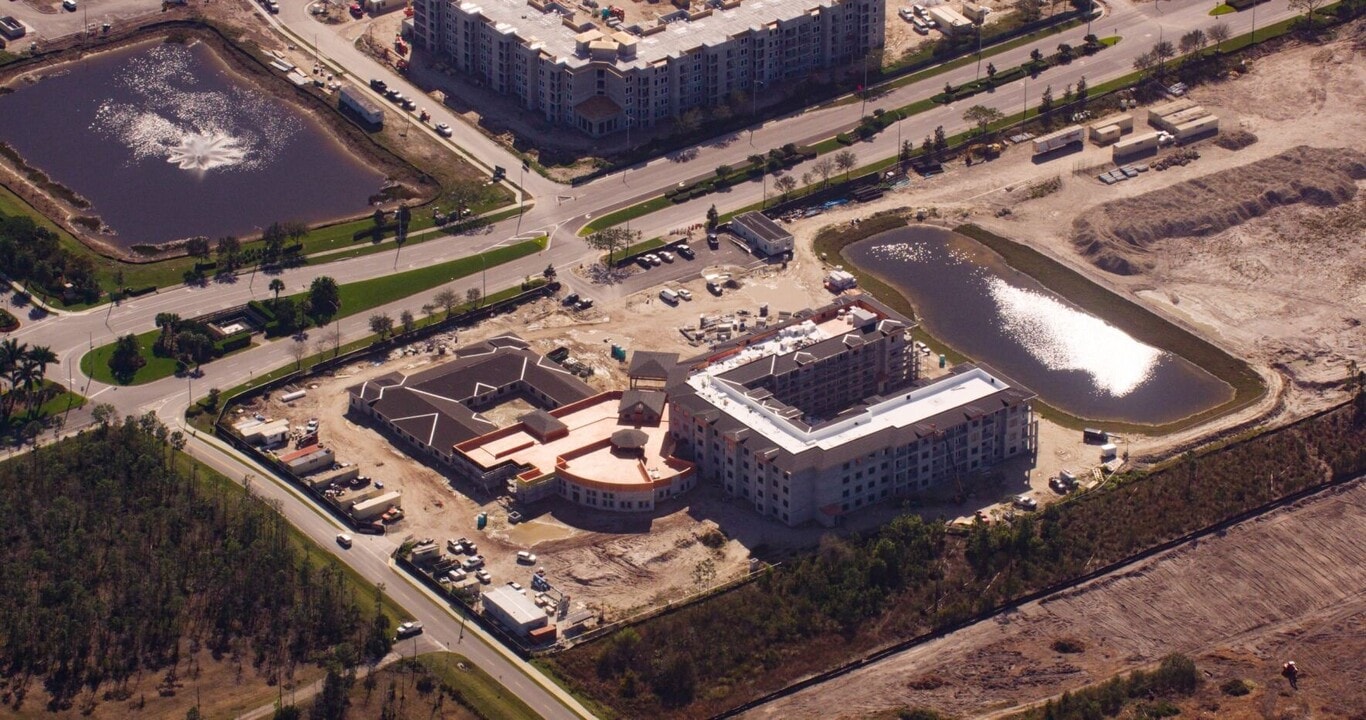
[1115, 235]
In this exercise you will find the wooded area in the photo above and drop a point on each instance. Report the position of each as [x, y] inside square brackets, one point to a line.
[29, 253]
[856, 594]
[120, 561]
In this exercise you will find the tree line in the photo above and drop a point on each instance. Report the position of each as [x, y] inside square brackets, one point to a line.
[858, 593]
[33, 254]
[117, 561]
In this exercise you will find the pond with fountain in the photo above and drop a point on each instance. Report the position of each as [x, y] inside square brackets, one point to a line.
[166, 141]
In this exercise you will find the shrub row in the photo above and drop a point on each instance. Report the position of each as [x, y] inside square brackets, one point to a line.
[233, 342]
[785, 157]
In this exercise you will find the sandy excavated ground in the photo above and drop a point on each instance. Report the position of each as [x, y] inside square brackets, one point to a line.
[1284, 586]
[1283, 290]
[619, 563]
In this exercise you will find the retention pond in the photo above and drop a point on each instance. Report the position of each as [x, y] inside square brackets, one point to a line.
[167, 142]
[968, 297]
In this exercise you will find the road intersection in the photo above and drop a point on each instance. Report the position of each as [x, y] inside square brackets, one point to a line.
[559, 212]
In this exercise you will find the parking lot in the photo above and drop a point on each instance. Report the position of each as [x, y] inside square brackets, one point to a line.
[631, 279]
[49, 20]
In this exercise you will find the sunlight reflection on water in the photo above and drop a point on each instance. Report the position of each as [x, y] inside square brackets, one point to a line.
[1063, 338]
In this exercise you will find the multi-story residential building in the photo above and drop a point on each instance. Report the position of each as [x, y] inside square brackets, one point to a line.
[603, 69]
[825, 415]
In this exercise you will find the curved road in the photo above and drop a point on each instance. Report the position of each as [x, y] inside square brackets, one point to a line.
[559, 211]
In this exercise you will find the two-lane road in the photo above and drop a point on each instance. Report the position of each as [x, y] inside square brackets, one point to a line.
[559, 210]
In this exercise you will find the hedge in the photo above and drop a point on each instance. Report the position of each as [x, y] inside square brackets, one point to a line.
[236, 341]
[261, 308]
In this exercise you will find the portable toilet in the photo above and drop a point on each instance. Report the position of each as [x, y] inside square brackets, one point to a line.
[481, 520]
[943, 360]
[619, 353]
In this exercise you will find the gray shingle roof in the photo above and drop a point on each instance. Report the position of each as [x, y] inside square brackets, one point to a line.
[434, 405]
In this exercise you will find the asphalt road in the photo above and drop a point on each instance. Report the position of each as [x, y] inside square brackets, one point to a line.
[559, 211]
[444, 629]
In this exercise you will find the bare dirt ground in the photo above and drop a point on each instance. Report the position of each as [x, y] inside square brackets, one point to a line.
[619, 564]
[1245, 287]
[1287, 585]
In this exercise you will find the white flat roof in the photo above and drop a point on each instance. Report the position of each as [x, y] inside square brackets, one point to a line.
[899, 411]
[514, 604]
[533, 26]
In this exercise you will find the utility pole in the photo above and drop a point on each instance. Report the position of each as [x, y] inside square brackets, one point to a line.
[754, 106]
[628, 143]
[978, 23]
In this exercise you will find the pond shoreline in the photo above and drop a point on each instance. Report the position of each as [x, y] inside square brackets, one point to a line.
[1084, 294]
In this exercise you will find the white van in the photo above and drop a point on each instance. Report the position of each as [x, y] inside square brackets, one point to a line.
[668, 296]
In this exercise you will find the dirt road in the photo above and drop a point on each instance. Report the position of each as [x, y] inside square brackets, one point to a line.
[1290, 584]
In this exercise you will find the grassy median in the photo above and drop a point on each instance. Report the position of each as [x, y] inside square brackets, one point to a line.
[356, 297]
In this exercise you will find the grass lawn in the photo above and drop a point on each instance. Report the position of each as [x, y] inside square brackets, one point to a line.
[618, 217]
[360, 296]
[1222, 9]
[115, 274]
[95, 364]
[59, 403]
[481, 692]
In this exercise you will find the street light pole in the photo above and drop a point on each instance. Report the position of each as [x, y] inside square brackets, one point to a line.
[754, 106]
[628, 142]
[978, 23]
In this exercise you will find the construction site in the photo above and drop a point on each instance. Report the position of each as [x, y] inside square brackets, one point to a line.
[1224, 243]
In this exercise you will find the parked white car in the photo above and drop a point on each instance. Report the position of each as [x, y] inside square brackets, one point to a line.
[526, 558]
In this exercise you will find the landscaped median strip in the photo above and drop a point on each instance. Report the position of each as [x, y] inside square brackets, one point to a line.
[1264, 34]
[837, 142]
[355, 297]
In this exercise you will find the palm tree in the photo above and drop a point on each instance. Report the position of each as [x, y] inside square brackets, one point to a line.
[11, 352]
[11, 356]
[277, 286]
[29, 374]
[42, 356]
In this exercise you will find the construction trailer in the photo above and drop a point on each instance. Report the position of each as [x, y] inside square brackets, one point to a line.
[342, 476]
[1195, 128]
[1143, 142]
[1183, 119]
[951, 22]
[975, 13]
[1067, 136]
[376, 506]
[309, 459]
[351, 99]
[1110, 129]
[513, 610]
[265, 433]
[362, 495]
